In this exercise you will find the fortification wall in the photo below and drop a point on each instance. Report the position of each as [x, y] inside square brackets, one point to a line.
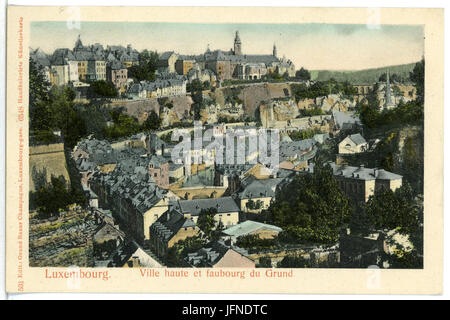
[49, 158]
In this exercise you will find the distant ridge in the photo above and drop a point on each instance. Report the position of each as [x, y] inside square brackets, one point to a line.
[363, 76]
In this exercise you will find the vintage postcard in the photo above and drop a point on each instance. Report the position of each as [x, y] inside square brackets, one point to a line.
[224, 150]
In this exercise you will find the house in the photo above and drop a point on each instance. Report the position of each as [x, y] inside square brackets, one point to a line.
[128, 56]
[227, 209]
[117, 74]
[197, 73]
[159, 88]
[218, 255]
[167, 61]
[184, 64]
[295, 155]
[257, 195]
[96, 67]
[104, 215]
[90, 60]
[64, 67]
[134, 197]
[360, 183]
[352, 144]
[176, 172]
[107, 238]
[131, 255]
[172, 226]
[249, 227]
[345, 121]
[155, 145]
[251, 71]
[158, 168]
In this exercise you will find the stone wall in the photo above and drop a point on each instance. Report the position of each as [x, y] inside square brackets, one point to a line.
[140, 109]
[49, 158]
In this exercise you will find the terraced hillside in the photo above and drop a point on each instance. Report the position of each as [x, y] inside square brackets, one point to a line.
[62, 242]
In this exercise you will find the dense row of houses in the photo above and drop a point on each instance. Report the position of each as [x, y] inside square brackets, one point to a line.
[132, 179]
[94, 62]
[87, 63]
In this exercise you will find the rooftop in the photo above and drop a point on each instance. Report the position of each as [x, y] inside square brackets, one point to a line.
[249, 226]
[194, 207]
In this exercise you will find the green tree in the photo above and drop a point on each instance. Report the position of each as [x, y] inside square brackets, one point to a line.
[179, 251]
[389, 209]
[264, 262]
[392, 77]
[206, 221]
[294, 261]
[148, 62]
[102, 89]
[417, 76]
[153, 122]
[303, 74]
[217, 232]
[311, 207]
[206, 85]
[41, 116]
[196, 90]
[65, 116]
[124, 125]
[52, 197]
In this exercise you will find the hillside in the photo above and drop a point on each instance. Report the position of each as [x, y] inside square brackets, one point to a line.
[62, 242]
[362, 76]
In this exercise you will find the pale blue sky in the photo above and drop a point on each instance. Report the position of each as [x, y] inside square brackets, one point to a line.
[314, 46]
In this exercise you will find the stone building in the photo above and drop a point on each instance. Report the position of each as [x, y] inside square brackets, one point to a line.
[131, 255]
[170, 228]
[158, 168]
[159, 88]
[235, 64]
[360, 183]
[91, 61]
[352, 144]
[257, 195]
[117, 74]
[64, 67]
[166, 61]
[184, 64]
[227, 209]
[128, 56]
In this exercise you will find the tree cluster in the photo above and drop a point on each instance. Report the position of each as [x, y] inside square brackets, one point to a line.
[303, 74]
[322, 88]
[148, 62]
[102, 89]
[311, 208]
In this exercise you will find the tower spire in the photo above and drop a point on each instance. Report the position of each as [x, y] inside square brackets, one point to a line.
[274, 52]
[237, 44]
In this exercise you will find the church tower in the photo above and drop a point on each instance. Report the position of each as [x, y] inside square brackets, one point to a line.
[274, 50]
[78, 44]
[237, 44]
[388, 101]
